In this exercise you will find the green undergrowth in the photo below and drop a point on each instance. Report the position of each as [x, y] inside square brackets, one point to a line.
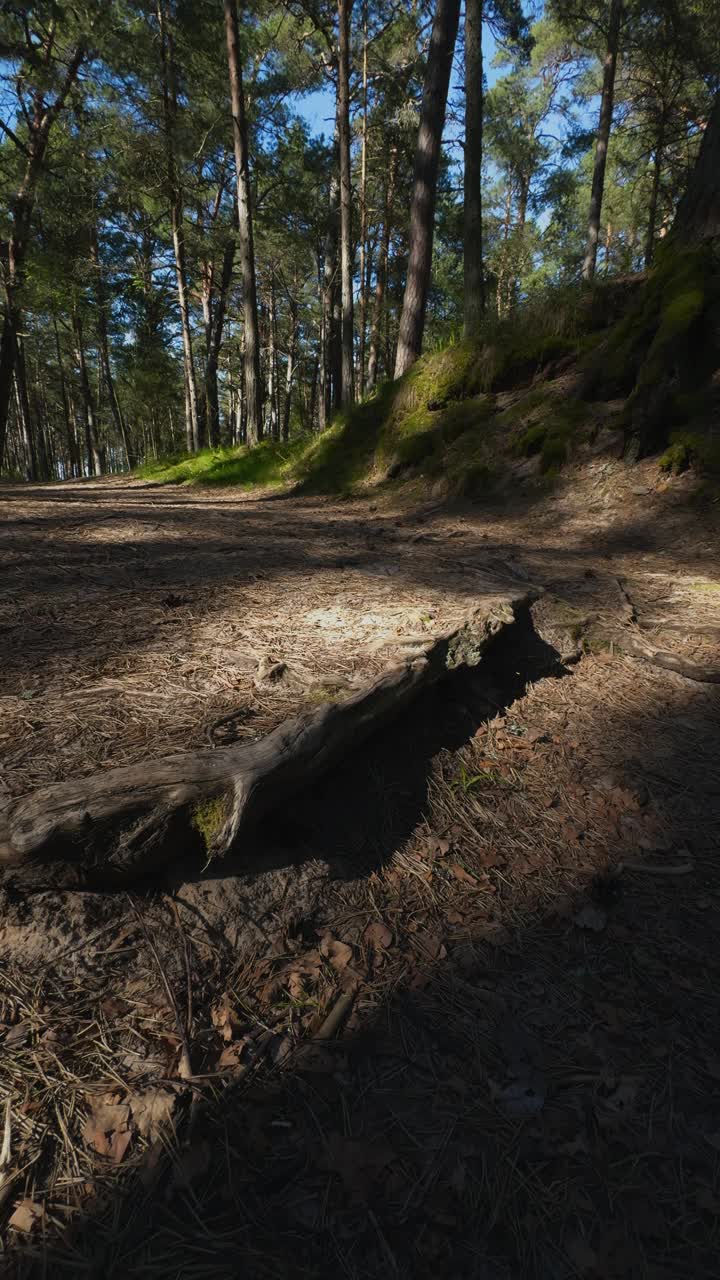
[461, 417]
[269, 463]
[691, 448]
[662, 352]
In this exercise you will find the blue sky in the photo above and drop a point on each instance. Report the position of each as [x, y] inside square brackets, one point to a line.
[318, 108]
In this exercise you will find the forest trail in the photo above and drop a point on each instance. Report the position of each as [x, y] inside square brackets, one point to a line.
[141, 615]
[510, 900]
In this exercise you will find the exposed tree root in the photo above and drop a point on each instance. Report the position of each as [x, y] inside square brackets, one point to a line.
[574, 633]
[128, 822]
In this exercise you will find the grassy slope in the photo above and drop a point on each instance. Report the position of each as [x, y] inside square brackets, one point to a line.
[456, 420]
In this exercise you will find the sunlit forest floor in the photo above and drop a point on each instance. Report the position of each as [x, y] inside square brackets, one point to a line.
[454, 1012]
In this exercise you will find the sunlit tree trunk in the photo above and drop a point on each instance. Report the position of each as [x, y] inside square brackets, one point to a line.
[347, 392]
[252, 388]
[603, 138]
[177, 228]
[427, 159]
[22, 407]
[94, 463]
[328, 334]
[474, 298]
[654, 194]
[216, 325]
[382, 271]
[67, 410]
[102, 329]
[363, 213]
[289, 373]
[21, 207]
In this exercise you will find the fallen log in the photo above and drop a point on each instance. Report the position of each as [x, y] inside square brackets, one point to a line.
[131, 821]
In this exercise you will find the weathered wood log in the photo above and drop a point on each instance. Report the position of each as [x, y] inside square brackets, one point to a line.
[131, 821]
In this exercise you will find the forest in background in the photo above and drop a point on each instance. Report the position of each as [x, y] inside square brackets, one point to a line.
[185, 262]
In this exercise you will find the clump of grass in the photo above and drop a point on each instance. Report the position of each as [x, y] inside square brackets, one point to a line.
[691, 448]
[269, 463]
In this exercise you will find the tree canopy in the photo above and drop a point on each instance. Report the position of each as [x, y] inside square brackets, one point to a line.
[188, 259]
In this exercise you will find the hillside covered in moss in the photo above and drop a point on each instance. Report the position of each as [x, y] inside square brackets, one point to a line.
[637, 356]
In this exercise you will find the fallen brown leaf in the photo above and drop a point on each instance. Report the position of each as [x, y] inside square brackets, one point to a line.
[26, 1215]
[224, 1017]
[377, 935]
[462, 875]
[151, 1110]
[18, 1035]
[118, 1145]
[339, 954]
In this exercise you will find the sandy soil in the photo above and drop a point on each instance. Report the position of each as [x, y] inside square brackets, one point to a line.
[515, 893]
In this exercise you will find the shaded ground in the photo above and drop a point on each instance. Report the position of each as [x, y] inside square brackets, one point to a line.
[513, 897]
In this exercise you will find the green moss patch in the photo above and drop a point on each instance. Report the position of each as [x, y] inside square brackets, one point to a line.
[208, 817]
[691, 448]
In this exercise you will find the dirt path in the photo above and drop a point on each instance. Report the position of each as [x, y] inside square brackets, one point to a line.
[512, 898]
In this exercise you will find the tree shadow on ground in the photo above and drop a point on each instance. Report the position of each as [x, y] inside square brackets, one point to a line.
[525, 1095]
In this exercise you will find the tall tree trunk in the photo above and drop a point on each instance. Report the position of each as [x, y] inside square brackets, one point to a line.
[102, 328]
[382, 272]
[7, 368]
[253, 391]
[347, 392]
[328, 333]
[474, 295]
[22, 405]
[177, 227]
[313, 393]
[21, 209]
[500, 284]
[271, 422]
[94, 463]
[603, 138]
[69, 426]
[363, 213]
[289, 373]
[654, 194]
[523, 198]
[608, 248]
[216, 324]
[427, 159]
[698, 214]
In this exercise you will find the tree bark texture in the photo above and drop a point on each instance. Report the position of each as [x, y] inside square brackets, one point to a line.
[347, 391]
[126, 822]
[427, 160]
[192, 425]
[603, 138]
[21, 210]
[253, 389]
[473, 285]
[698, 214]
[382, 272]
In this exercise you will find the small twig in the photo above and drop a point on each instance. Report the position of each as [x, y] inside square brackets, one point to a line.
[186, 958]
[5, 1151]
[633, 644]
[628, 607]
[242, 713]
[337, 1015]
